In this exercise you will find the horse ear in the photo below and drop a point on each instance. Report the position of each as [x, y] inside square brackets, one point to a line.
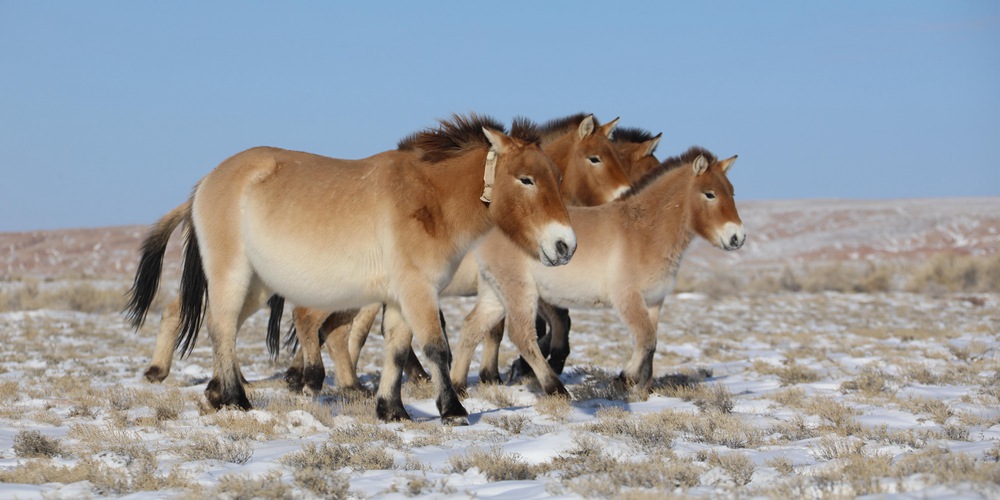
[498, 141]
[651, 145]
[727, 164]
[700, 165]
[608, 128]
[586, 126]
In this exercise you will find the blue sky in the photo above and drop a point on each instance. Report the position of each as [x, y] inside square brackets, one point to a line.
[111, 111]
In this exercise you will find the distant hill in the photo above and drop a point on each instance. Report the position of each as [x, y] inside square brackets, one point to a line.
[779, 233]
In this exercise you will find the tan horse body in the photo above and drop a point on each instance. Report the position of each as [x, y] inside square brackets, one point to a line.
[636, 147]
[628, 252]
[339, 234]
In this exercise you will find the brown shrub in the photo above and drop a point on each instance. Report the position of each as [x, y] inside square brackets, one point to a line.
[31, 444]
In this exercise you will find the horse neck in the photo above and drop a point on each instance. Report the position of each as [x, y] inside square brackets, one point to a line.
[662, 212]
[557, 148]
[458, 184]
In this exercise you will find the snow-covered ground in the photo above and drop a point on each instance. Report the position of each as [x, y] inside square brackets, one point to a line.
[773, 394]
[777, 395]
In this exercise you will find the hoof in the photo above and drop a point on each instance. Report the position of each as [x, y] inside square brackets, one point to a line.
[155, 374]
[218, 399]
[490, 377]
[555, 387]
[390, 411]
[293, 377]
[519, 369]
[313, 378]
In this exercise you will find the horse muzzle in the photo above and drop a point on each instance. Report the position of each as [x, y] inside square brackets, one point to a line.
[557, 245]
[731, 237]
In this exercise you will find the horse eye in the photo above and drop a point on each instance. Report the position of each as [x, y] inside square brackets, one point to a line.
[595, 159]
[710, 195]
[527, 181]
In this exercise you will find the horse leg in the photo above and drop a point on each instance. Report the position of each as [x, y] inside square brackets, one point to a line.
[559, 338]
[360, 327]
[229, 309]
[166, 339]
[307, 331]
[485, 315]
[293, 375]
[489, 366]
[388, 399]
[413, 369]
[641, 320]
[520, 368]
[522, 307]
[338, 325]
[420, 308]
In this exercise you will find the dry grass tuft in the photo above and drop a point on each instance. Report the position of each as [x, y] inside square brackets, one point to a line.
[513, 423]
[241, 426]
[796, 429]
[496, 394]
[715, 398]
[554, 406]
[725, 429]
[323, 483]
[32, 444]
[938, 410]
[212, 447]
[791, 373]
[870, 382]
[494, 464]
[948, 272]
[82, 297]
[781, 464]
[419, 389]
[366, 434]
[833, 447]
[283, 403]
[331, 457]
[647, 432]
[239, 486]
[837, 415]
[738, 466]
[588, 472]
[104, 479]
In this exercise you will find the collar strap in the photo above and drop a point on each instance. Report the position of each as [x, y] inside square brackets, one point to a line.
[489, 176]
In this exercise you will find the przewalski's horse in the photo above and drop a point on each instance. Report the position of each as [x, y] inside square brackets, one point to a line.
[390, 228]
[636, 147]
[593, 173]
[629, 251]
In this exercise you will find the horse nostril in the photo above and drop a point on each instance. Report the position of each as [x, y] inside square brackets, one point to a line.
[734, 241]
[562, 249]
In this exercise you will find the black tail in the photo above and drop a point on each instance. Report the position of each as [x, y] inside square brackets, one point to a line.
[194, 295]
[147, 276]
[292, 339]
[277, 305]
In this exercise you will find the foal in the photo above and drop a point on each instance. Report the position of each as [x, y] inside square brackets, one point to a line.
[629, 251]
[400, 221]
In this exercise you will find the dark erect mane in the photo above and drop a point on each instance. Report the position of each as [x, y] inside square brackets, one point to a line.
[555, 128]
[667, 165]
[631, 134]
[463, 133]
